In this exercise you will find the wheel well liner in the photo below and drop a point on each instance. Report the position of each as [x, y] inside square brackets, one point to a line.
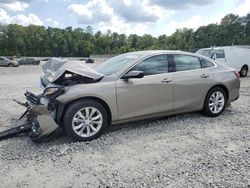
[65, 107]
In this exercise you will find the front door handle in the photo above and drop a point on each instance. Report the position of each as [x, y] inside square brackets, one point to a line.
[166, 80]
[204, 76]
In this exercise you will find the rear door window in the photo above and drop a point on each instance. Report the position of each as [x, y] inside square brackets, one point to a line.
[186, 62]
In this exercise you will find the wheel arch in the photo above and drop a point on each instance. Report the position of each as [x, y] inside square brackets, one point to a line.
[101, 101]
[223, 87]
[206, 110]
[217, 85]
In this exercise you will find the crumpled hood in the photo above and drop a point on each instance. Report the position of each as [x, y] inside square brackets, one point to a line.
[55, 68]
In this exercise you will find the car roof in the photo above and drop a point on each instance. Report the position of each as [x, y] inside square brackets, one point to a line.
[155, 52]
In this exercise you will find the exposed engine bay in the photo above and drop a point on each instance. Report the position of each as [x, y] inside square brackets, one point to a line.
[43, 110]
[69, 79]
[56, 68]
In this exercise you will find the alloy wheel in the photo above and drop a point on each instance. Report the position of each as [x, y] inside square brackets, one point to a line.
[216, 102]
[87, 122]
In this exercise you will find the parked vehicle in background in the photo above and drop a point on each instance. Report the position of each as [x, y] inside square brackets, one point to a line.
[237, 57]
[87, 60]
[9, 57]
[8, 63]
[29, 61]
[46, 59]
[84, 100]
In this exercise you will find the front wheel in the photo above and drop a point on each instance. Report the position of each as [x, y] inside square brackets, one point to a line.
[85, 120]
[215, 102]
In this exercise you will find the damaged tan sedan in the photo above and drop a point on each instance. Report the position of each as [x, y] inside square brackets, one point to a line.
[83, 101]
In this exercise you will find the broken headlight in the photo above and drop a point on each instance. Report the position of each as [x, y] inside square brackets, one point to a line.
[53, 91]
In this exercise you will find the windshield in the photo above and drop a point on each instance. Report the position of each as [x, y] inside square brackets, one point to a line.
[115, 64]
[208, 52]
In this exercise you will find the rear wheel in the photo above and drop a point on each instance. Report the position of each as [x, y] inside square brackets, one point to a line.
[215, 102]
[10, 65]
[244, 71]
[85, 120]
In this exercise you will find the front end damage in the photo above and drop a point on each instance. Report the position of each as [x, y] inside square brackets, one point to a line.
[41, 114]
[41, 119]
[44, 111]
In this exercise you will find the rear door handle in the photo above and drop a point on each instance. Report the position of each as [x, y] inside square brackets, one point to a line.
[166, 80]
[204, 76]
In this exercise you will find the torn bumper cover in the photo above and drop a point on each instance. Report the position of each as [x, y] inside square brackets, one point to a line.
[40, 123]
[44, 127]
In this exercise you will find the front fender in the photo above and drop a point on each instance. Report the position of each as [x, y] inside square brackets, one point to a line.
[104, 91]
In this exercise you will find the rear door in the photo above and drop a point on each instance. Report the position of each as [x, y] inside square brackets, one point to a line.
[150, 95]
[192, 82]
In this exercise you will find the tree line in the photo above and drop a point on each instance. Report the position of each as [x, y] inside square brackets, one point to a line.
[17, 40]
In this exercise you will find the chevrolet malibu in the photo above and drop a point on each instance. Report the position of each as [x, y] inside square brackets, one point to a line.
[84, 101]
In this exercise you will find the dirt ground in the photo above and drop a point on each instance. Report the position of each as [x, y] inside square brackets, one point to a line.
[187, 150]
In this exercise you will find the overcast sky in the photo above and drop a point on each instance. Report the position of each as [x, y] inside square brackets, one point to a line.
[155, 17]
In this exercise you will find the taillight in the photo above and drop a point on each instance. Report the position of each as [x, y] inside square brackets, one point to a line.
[237, 74]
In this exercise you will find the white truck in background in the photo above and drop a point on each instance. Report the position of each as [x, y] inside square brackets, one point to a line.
[237, 57]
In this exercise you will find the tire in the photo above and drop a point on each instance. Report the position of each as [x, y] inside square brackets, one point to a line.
[211, 102]
[10, 65]
[82, 125]
[244, 71]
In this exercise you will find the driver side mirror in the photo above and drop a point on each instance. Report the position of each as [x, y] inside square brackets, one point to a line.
[133, 74]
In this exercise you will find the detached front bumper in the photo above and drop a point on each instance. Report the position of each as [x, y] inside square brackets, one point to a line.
[44, 127]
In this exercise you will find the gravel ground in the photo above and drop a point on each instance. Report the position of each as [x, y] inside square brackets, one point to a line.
[187, 150]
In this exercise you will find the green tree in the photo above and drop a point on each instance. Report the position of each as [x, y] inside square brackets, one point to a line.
[40, 41]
